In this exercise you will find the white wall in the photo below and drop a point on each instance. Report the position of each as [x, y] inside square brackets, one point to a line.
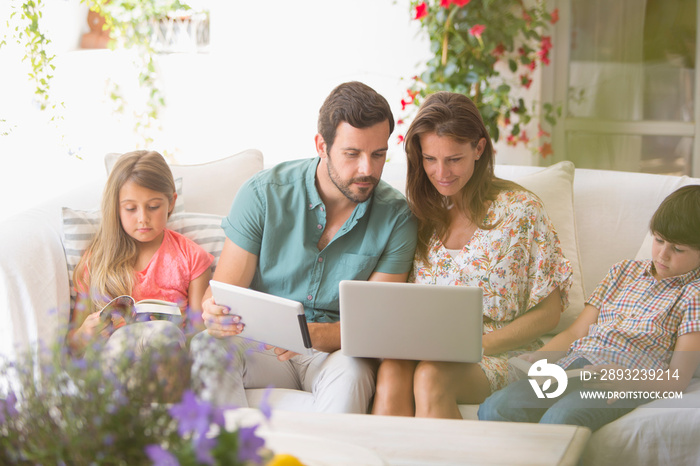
[270, 66]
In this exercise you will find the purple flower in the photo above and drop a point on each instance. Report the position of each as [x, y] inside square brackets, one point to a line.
[161, 457]
[264, 406]
[203, 447]
[249, 444]
[195, 416]
[7, 407]
[192, 416]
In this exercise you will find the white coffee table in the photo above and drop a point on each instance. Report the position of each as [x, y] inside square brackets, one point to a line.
[355, 439]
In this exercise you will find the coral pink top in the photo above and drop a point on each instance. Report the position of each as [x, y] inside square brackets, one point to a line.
[177, 262]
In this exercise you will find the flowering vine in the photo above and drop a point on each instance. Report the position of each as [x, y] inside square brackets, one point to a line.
[472, 40]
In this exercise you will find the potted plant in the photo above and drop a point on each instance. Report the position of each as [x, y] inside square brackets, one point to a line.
[488, 50]
[63, 409]
[133, 25]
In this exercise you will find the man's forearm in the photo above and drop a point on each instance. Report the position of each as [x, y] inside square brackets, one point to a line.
[325, 336]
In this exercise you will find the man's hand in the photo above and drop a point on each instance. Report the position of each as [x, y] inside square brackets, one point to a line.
[219, 323]
[282, 354]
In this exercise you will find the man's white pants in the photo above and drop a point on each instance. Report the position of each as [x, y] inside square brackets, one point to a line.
[223, 368]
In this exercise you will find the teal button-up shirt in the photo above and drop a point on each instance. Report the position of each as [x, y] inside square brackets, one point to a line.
[278, 215]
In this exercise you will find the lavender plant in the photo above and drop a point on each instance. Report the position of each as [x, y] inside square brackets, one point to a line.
[58, 409]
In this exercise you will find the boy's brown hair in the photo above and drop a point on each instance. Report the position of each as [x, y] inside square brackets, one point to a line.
[677, 220]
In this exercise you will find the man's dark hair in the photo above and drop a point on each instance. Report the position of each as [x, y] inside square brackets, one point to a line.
[677, 220]
[355, 103]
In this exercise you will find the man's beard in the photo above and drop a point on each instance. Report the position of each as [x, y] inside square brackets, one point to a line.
[345, 186]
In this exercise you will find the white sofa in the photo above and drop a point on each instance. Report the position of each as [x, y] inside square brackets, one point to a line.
[602, 220]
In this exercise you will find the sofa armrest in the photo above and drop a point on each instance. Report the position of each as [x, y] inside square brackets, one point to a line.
[34, 294]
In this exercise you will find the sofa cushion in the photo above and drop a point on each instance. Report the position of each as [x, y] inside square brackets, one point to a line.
[211, 186]
[554, 186]
[644, 252]
[80, 226]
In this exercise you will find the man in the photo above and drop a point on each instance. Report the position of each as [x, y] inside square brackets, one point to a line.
[295, 231]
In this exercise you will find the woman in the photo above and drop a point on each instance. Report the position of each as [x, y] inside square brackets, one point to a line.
[477, 230]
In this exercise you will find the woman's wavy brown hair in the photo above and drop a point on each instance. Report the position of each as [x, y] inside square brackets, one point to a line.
[455, 116]
[106, 269]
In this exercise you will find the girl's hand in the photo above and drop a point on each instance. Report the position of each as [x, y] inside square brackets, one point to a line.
[92, 326]
[219, 323]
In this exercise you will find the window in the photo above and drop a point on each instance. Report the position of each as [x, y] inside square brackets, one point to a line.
[624, 74]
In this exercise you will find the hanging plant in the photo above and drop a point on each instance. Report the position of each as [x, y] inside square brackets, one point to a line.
[131, 25]
[23, 28]
[487, 50]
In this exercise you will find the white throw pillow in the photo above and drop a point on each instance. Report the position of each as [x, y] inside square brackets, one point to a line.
[644, 252]
[211, 186]
[80, 226]
[554, 186]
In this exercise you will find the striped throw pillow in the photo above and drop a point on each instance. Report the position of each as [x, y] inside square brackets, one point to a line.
[80, 226]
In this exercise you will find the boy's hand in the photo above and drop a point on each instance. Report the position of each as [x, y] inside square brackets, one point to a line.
[219, 323]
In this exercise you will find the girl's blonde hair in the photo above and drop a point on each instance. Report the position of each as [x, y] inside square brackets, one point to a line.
[106, 269]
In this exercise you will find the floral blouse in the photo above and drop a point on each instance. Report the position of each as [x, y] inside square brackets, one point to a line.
[518, 263]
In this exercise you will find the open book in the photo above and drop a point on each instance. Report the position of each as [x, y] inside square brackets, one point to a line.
[141, 311]
[522, 368]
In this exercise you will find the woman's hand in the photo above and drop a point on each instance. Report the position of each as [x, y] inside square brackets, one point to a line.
[219, 323]
[530, 357]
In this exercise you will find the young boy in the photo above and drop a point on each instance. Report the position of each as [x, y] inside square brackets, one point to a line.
[638, 335]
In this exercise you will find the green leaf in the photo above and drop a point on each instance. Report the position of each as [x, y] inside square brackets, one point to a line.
[512, 65]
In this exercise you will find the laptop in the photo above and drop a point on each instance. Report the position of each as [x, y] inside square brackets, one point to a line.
[411, 321]
[268, 319]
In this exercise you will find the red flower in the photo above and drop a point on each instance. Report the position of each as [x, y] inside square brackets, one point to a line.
[461, 3]
[476, 30]
[400, 138]
[445, 3]
[499, 50]
[546, 43]
[554, 16]
[421, 10]
[546, 149]
[412, 94]
[404, 103]
[525, 80]
[541, 132]
[523, 138]
[532, 65]
[526, 17]
[545, 47]
[399, 122]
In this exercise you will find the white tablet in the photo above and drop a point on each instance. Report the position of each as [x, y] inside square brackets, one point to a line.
[268, 319]
[411, 321]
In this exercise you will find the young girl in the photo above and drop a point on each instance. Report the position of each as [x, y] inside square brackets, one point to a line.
[135, 254]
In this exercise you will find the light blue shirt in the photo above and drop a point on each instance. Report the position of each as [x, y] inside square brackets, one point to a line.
[278, 215]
